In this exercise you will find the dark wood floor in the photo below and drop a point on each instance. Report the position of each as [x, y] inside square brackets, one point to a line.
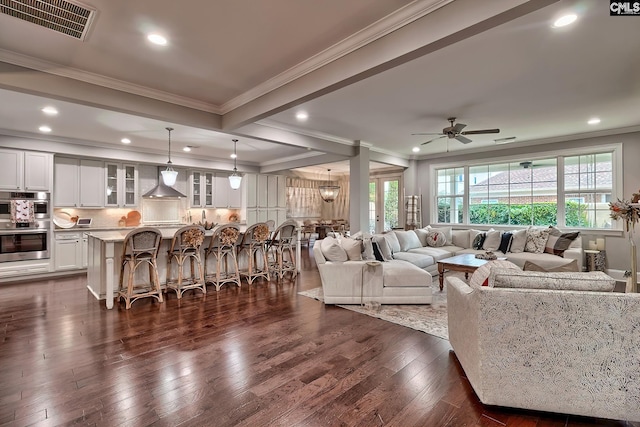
[254, 356]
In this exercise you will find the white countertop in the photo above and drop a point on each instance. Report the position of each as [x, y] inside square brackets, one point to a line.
[119, 235]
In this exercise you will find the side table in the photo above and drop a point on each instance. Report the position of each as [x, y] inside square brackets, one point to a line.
[596, 260]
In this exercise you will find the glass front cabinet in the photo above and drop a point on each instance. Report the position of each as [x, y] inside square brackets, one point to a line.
[121, 185]
[201, 189]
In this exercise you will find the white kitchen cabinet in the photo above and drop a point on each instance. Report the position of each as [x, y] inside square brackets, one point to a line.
[25, 170]
[262, 191]
[121, 185]
[266, 197]
[85, 250]
[201, 189]
[272, 191]
[251, 183]
[223, 195]
[68, 251]
[79, 183]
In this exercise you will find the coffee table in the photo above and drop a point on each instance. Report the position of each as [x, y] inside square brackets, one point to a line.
[466, 263]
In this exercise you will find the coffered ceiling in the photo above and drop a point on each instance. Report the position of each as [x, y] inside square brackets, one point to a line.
[366, 72]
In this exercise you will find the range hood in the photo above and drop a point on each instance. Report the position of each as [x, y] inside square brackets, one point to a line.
[163, 191]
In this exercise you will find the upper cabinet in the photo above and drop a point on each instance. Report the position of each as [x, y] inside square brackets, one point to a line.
[25, 170]
[121, 185]
[200, 189]
[224, 196]
[79, 183]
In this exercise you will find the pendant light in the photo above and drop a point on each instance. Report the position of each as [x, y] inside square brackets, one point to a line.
[234, 179]
[329, 192]
[169, 176]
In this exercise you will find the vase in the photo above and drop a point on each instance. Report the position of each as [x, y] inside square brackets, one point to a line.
[634, 264]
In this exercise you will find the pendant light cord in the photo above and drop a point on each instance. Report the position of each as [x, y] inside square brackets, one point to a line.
[169, 129]
[235, 155]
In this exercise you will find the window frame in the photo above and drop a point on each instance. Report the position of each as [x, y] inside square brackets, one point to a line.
[616, 188]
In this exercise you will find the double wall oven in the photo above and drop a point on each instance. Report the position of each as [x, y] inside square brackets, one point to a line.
[25, 240]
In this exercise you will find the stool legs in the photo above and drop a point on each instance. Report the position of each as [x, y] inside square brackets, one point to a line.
[132, 291]
[181, 284]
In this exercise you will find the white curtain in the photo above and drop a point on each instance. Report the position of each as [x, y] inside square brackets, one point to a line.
[304, 201]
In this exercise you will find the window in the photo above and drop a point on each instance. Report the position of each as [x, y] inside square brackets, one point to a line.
[529, 192]
[450, 195]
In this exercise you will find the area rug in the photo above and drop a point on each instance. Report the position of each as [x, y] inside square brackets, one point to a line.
[428, 318]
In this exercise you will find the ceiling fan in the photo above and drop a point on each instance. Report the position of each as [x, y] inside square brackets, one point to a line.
[455, 131]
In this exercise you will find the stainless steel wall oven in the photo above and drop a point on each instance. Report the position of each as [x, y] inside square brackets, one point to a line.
[26, 239]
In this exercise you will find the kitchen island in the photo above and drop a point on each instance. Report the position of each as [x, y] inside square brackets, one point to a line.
[105, 250]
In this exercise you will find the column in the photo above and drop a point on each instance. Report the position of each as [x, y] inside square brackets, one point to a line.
[359, 190]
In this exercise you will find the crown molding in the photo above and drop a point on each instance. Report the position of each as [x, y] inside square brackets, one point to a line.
[99, 80]
[390, 23]
[306, 132]
[302, 156]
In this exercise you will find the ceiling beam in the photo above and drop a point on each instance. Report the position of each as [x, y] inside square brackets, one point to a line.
[450, 24]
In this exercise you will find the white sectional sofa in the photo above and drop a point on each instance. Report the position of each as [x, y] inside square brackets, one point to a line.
[530, 341]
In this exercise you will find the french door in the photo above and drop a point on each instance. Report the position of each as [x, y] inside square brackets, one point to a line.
[385, 207]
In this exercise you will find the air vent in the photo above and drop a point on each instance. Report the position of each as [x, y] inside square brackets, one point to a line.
[63, 16]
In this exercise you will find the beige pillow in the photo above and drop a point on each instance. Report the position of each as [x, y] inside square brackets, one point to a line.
[461, 238]
[392, 241]
[518, 241]
[332, 250]
[352, 247]
[492, 241]
[422, 235]
[408, 240]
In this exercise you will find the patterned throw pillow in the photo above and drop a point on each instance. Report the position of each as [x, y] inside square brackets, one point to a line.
[536, 240]
[376, 252]
[478, 241]
[558, 241]
[480, 277]
[436, 238]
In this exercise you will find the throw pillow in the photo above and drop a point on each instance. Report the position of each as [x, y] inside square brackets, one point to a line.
[461, 238]
[352, 247]
[422, 235]
[367, 252]
[591, 281]
[478, 241]
[480, 277]
[436, 238]
[332, 250]
[472, 236]
[505, 242]
[383, 247]
[408, 240]
[392, 241]
[536, 240]
[558, 242]
[571, 266]
[376, 252]
[518, 241]
[492, 241]
[448, 232]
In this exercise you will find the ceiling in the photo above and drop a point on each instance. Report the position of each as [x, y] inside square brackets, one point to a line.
[368, 73]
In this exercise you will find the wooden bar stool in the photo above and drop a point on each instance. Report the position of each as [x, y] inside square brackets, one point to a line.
[140, 247]
[222, 248]
[254, 245]
[185, 246]
[283, 258]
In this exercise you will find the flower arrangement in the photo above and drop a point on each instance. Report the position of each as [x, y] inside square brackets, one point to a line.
[624, 210]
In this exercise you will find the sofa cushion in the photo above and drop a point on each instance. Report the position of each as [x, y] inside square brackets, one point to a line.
[558, 242]
[531, 266]
[436, 253]
[505, 242]
[547, 261]
[392, 241]
[352, 247]
[591, 281]
[422, 235]
[417, 259]
[436, 238]
[491, 241]
[408, 240]
[332, 250]
[480, 277]
[518, 241]
[536, 240]
[461, 238]
[448, 233]
[383, 247]
[398, 273]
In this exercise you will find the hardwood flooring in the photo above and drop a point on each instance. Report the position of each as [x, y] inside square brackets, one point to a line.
[255, 356]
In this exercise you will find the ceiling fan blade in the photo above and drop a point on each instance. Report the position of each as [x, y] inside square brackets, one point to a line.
[458, 127]
[479, 132]
[463, 139]
[428, 133]
[431, 140]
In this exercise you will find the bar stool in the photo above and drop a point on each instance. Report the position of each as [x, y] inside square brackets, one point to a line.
[222, 247]
[140, 246]
[254, 244]
[281, 248]
[186, 246]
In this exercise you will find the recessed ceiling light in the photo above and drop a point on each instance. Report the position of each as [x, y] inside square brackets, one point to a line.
[565, 20]
[415, 149]
[50, 111]
[157, 39]
[45, 129]
[187, 149]
[594, 121]
[302, 116]
[125, 141]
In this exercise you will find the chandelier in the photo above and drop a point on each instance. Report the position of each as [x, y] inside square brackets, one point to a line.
[329, 192]
[234, 179]
[169, 175]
